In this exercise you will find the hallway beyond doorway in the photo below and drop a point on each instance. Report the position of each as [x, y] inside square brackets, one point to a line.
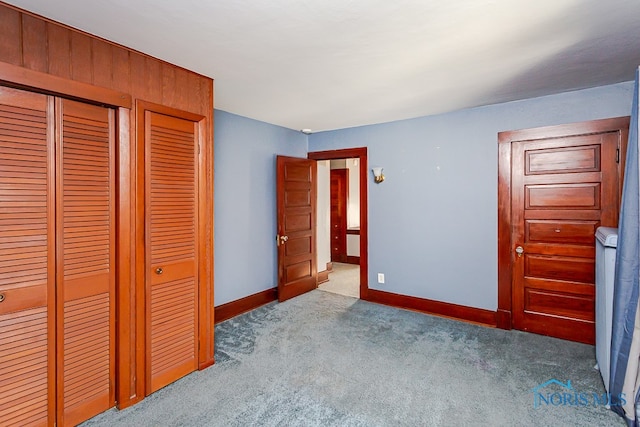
[344, 280]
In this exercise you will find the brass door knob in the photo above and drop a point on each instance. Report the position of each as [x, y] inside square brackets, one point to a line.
[1, 297]
[280, 240]
[159, 270]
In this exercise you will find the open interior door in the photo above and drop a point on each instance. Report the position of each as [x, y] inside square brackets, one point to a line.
[296, 238]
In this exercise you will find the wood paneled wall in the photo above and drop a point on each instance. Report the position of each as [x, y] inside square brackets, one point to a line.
[40, 45]
[38, 54]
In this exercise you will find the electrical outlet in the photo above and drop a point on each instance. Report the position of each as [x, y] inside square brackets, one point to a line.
[380, 277]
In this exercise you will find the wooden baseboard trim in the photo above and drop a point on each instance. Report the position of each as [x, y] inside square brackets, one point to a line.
[503, 319]
[323, 276]
[234, 308]
[438, 308]
[353, 259]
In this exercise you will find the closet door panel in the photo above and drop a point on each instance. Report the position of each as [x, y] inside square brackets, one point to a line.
[172, 275]
[27, 248]
[86, 260]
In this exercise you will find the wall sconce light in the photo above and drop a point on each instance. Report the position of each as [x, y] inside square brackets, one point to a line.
[378, 177]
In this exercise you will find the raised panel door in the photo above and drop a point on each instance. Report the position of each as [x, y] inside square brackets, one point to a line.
[296, 239]
[563, 189]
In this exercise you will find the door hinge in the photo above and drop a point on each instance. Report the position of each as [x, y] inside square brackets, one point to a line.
[617, 155]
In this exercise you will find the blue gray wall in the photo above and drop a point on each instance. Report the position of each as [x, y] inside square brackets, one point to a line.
[433, 222]
[245, 202]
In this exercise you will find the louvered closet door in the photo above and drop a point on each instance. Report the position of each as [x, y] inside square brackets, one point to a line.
[27, 319]
[171, 251]
[86, 260]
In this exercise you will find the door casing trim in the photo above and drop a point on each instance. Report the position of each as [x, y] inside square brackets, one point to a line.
[204, 236]
[359, 153]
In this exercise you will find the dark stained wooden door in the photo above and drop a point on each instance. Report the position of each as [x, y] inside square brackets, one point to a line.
[171, 158]
[296, 239]
[85, 196]
[339, 184]
[563, 188]
[27, 259]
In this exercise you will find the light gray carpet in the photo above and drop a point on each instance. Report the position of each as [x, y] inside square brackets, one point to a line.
[327, 360]
[344, 279]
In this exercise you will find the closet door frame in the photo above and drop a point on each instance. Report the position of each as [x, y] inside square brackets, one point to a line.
[204, 236]
[126, 384]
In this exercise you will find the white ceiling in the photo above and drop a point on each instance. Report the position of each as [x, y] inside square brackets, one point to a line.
[329, 64]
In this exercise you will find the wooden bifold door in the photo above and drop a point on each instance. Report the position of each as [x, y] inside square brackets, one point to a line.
[57, 257]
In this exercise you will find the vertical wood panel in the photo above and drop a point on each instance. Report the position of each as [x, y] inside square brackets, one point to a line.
[34, 43]
[81, 58]
[11, 40]
[121, 69]
[169, 87]
[182, 92]
[102, 63]
[154, 80]
[193, 92]
[59, 42]
[207, 90]
[139, 79]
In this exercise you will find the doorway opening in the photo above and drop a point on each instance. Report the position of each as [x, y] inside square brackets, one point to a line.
[342, 221]
[343, 279]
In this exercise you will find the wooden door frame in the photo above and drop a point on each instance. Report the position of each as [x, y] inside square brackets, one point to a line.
[360, 154]
[204, 233]
[26, 79]
[504, 315]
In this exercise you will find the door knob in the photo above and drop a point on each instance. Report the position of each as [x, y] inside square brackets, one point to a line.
[159, 270]
[1, 297]
[281, 239]
[519, 251]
